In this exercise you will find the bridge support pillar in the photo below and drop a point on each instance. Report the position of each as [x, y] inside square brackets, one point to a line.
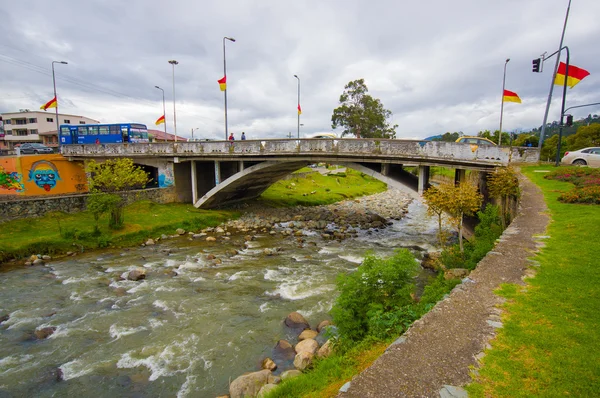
[217, 172]
[460, 175]
[423, 179]
[240, 166]
[194, 182]
[385, 169]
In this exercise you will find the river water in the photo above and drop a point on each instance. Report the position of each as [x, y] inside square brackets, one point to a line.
[174, 336]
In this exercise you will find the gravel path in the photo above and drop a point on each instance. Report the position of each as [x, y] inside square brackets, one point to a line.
[438, 349]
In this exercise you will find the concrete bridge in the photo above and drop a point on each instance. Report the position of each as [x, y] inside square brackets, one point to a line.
[213, 173]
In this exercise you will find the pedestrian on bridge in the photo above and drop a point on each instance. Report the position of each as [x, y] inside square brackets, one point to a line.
[231, 138]
[243, 136]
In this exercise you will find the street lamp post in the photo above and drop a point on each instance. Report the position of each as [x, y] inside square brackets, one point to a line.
[56, 107]
[164, 111]
[193, 129]
[502, 106]
[296, 76]
[173, 62]
[225, 76]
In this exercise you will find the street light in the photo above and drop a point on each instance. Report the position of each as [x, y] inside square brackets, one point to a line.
[502, 106]
[225, 76]
[173, 62]
[196, 128]
[55, 97]
[164, 111]
[299, 111]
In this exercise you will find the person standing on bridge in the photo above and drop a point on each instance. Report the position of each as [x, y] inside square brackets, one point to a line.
[231, 138]
[243, 136]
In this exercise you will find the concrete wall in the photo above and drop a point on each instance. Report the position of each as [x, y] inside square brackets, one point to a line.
[16, 209]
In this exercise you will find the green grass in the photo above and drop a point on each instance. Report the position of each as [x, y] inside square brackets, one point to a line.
[58, 232]
[550, 343]
[318, 189]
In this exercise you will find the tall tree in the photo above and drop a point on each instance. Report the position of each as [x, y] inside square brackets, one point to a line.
[362, 115]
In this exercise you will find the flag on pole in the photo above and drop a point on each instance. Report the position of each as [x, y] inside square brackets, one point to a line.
[299, 110]
[510, 96]
[50, 104]
[223, 83]
[575, 75]
[160, 120]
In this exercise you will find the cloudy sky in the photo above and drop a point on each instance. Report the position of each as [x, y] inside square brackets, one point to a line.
[436, 64]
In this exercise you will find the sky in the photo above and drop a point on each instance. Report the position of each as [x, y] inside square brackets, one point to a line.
[437, 65]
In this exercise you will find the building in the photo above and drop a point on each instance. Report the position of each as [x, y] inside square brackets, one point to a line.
[35, 126]
[159, 136]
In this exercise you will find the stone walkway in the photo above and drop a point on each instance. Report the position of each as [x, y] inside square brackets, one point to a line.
[439, 348]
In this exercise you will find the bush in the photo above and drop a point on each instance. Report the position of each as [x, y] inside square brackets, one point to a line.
[586, 181]
[378, 285]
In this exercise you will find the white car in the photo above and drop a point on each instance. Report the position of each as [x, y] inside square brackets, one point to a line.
[583, 157]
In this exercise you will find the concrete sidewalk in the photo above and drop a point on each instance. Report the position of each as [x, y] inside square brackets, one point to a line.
[439, 348]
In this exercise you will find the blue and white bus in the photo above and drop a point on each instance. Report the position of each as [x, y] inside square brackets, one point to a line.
[115, 133]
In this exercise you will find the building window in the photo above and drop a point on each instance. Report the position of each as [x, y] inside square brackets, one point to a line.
[20, 121]
[33, 131]
[81, 122]
[8, 132]
[20, 132]
[49, 119]
[67, 121]
[7, 121]
[32, 120]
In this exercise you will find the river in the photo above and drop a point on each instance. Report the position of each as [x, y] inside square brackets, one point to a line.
[174, 336]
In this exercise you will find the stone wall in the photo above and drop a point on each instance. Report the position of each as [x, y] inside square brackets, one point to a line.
[24, 208]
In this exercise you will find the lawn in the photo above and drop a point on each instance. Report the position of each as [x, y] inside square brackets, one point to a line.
[550, 342]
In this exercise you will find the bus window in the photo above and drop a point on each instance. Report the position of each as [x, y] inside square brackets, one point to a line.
[82, 130]
[103, 130]
[65, 131]
[93, 130]
[124, 133]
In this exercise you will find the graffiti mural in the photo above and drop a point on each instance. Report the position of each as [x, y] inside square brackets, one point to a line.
[41, 175]
[165, 175]
[44, 174]
[11, 181]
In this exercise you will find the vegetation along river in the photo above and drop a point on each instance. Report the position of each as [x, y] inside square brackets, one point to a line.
[193, 324]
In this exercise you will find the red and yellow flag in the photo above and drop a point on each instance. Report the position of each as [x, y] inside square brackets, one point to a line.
[299, 110]
[160, 120]
[575, 75]
[510, 96]
[50, 104]
[223, 83]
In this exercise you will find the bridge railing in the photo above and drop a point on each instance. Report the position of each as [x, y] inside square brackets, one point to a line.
[374, 148]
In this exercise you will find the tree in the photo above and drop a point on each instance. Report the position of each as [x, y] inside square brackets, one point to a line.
[586, 136]
[436, 206]
[362, 115]
[504, 185]
[108, 178]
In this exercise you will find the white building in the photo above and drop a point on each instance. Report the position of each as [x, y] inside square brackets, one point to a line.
[35, 126]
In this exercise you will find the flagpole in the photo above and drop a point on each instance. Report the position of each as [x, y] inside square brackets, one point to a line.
[562, 109]
[56, 98]
[560, 46]
[225, 76]
[502, 103]
[174, 62]
[164, 112]
[296, 76]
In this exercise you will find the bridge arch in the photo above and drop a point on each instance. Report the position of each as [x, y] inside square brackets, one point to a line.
[251, 182]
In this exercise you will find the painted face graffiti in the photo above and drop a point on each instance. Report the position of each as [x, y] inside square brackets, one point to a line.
[44, 174]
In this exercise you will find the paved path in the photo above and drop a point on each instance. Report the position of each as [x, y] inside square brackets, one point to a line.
[439, 348]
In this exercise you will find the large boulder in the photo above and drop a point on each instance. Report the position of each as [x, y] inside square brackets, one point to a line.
[308, 345]
[44, 333]
[322, 325]
[267, 388]
[137, 274]
[284, 350]
[307, 334]
[249, 385]
[325, 350]
[303, 360]
[4, 318]
[296, 321]
[268, 363]
[290, 374]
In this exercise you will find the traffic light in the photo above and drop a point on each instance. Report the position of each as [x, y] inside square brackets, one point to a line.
[536, 64]
[569, 120]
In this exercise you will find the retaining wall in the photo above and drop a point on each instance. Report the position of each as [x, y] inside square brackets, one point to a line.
[24, 208]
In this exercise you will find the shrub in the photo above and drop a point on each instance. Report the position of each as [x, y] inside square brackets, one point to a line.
[586, 181]
[377, 286]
